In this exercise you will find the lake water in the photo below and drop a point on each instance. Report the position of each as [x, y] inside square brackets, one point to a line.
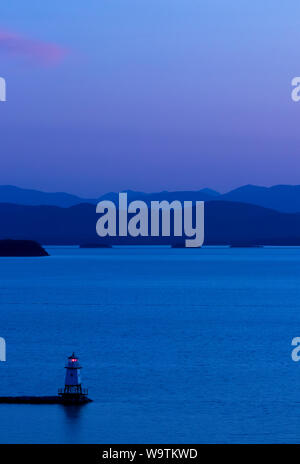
[177, 345]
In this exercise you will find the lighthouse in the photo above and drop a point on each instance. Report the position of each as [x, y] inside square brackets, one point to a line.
[73, 391]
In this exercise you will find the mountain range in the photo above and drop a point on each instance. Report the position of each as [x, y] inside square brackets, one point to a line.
[230, 223]
[248, 215]
[21, 196]
[284, 198]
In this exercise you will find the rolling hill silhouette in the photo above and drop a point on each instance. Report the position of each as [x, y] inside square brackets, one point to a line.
[284, 198]
[20, 196]
[11, 194]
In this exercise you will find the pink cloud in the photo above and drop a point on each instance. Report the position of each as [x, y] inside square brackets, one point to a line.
[39, 51]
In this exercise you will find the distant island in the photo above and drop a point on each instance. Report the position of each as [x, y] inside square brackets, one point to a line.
[181, 245]
[21, 248]
[246, 245]
[95, 245]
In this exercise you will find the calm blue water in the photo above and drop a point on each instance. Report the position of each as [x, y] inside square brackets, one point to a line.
[178, 346]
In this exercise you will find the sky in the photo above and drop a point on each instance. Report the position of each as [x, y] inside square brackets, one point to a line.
[108, 95]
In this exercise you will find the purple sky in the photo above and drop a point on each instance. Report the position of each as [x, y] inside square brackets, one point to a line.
[149, 95]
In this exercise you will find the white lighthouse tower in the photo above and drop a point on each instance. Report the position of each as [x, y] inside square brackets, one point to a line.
[73, 391]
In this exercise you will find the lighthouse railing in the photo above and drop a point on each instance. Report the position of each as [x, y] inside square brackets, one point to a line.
[84, 391]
